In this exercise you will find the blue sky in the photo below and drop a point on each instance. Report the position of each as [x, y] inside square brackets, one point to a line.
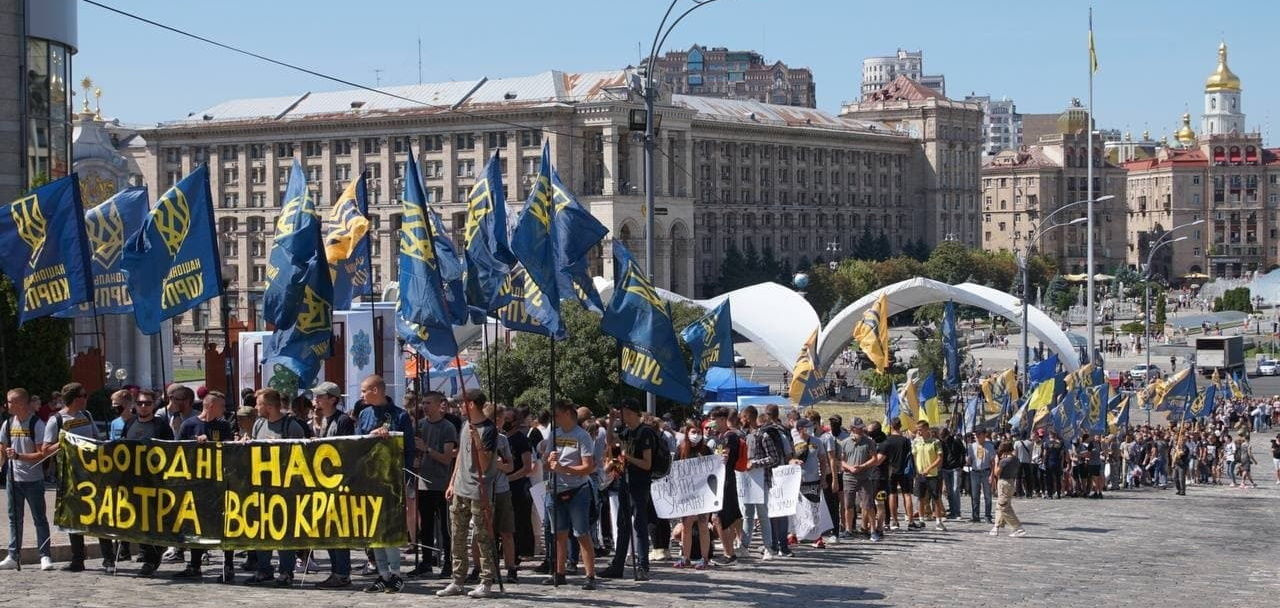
[1154, 55]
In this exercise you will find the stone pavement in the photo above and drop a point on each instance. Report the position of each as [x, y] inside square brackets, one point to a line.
[1144, 547]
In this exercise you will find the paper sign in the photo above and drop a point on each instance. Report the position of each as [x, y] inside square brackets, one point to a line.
[694, 486]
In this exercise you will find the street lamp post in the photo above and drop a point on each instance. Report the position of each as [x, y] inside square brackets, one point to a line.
[1162, 241]
[659, 38]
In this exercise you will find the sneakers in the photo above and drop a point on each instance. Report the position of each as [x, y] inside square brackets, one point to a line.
[994, 532]
[727, 562]
[450, 591]
[146, 570]
[9, 563]
[1019, 533]
[642, 574]
[187, 572]
[109, 569]
[893, 527]
[611, 572]
[786, 553]
[395, 584]
[702, 565]
[554, 579]
[334, 582]
[681, 564]
[941, 527]
[173, 555]
[791, 539]
[379, 585]
[916, 525]
[590, 585]
[73, 567]
[419, 570]
[766, 555]
[484, 590]
[876, 536]
[846, 535]
[657, 555]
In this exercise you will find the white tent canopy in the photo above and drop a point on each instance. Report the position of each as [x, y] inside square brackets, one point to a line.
[920, 291]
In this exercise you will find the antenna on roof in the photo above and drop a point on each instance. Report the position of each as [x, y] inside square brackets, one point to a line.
[377, 77]
[419, 59]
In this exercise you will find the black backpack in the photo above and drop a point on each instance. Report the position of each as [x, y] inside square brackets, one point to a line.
[660, 462]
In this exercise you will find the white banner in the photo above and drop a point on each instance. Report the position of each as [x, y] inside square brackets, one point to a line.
[784, 491]
[811, 518]
[538, 492]
[693, 487]
[751, 486]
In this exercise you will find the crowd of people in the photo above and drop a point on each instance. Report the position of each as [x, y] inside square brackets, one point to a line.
[475, 471]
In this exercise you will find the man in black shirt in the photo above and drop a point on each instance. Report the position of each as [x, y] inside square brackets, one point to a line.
[515, 427]
[145, 427]
[897, 453]
[334, 423]
[952, 466]
[209, 425]
[639, 444]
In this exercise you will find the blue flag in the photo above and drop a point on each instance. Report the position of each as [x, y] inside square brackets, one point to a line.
[347, 245]
[514, 315]
[710, 340]
[971, 414]
[1204, 405]
[641, 322]
[488, 254]
[950, 346]
[172, 262]
[108, 226]
[451, 272]
[1044, 370]
[576, 233]
[426, 342]
[892, 405]
[45, 249]
[534, 244]
[299, 295]
[1096, 409]
[422, 296]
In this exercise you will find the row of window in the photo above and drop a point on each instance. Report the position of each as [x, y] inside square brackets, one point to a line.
[729, 150]
[787, 197]
[343, 147]
[801, 177]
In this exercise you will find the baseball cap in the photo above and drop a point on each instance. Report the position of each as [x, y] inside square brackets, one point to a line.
[633, 405]
[857, 423]
[327, 388]
[803, 423]
[245, 411]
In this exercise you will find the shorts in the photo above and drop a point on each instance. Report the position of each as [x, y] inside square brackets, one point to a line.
[928, 488]
[573, 513]
[861, 492]
[504, 517]
[899, 483]
[1277, 463]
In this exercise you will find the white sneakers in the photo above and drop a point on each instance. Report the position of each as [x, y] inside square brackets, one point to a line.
[1019, 533]
[46, 564]
[9, 564]
[482, 590]
[994, 532]
[451, 590]
[766, 555]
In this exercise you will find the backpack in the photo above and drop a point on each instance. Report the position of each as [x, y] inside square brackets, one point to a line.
[742, 462]
[660, 463]
[785, 448]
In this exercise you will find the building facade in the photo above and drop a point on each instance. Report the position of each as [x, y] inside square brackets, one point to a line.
[1223, 176]
[40, 38]
[878, 72]
[719, 72]
[1023, 187]
[948, 155]
[1001, 123]
[729, 173]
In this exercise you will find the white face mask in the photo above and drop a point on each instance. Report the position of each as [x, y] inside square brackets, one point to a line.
[695, 438]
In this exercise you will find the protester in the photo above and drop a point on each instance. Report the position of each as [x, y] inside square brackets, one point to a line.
[272, 424]
[76, 421]
[762, 457]
[640, 446]
[897, 451]
[378, 418]
[515, 426]
[1005, 477]
[860, 463]
[334, 423]
[437, 443]
[692, 445]
[210, 425]
[731, 446]
[775, 433]
[570, 459]
[927, 452]
[22, 436]
[122, 405]
[979, 458]
[470, 494]
[952, 469]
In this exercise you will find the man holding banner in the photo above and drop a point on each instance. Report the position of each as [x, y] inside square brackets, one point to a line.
[209, 425]
[379, 418]
[639, 444]
[272, 423]
[75, 420]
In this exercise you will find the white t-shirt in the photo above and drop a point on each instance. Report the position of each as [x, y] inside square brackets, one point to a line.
[1229, 452]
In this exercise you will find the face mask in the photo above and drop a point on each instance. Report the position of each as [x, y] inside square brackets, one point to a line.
[695, 438]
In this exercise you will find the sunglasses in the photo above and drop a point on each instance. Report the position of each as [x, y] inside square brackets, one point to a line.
[147, 403]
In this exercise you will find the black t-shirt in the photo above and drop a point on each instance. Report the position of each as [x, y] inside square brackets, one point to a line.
[1009, 468]
[953, 453]
[877, 436]
[636, 442]
[150, 429]
[1275, 449]
[896, 452]
[455, 420]
[535, 438]
[214, 430]
[519, 445]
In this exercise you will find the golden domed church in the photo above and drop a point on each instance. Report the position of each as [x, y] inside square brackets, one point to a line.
[1222, 175]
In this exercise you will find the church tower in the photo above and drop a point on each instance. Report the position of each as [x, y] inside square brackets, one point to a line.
[1222, 112]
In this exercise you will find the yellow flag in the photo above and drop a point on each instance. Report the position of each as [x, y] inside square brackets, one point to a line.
[872, 333]
[1113, 417]
[1093, 51]
[806, 378]
[909, 397]
[1041, 396]
[1010, 378]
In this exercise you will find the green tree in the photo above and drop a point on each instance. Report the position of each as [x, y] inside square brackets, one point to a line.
[1234, 299]
[882, 250]
[950, 263]
[864, 249]
[35, 355]
[733, 271]
[1161, 305]
[881, 383]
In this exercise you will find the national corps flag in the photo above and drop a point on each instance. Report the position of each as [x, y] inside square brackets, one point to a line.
[1118, 418]
[452, 270]
[872, 333]
[346, 245]
[426, 342]
[108, 225]
[806, 379]
[487, 251]
[422, 288]
[1204, 404]
[534, 244]
[576, 233]
[45, 250]
[299, 294]
[1095, 418]
[172, 262]
[710, 340]
[641, 322]
[514, 314]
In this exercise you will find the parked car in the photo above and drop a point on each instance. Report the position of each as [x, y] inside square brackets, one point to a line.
[739, 360]
[1269, 367]
[1144, 373]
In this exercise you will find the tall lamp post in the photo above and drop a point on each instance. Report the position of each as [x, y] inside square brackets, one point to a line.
[1026, 284]
[659, 38]
[1162, 241]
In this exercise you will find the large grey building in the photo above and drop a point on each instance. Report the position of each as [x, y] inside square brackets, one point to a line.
[1001, 123]
[729, 173]
[878, 72]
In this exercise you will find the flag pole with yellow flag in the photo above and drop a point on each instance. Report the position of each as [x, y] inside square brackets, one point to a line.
[872, 333]
[806, 378]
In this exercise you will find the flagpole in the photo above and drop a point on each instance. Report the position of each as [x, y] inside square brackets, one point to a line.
[1089, 352]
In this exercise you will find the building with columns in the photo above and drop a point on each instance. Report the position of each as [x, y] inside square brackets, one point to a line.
[950, 142]
[1222, 175]
[729, 173]
[1022, 187]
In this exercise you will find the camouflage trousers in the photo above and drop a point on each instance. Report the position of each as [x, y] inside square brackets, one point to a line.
[467, 515]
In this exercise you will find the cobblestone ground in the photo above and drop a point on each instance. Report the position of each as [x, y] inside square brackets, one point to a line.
[1147, 547]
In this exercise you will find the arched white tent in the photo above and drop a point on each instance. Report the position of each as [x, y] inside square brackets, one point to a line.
[920, 291]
